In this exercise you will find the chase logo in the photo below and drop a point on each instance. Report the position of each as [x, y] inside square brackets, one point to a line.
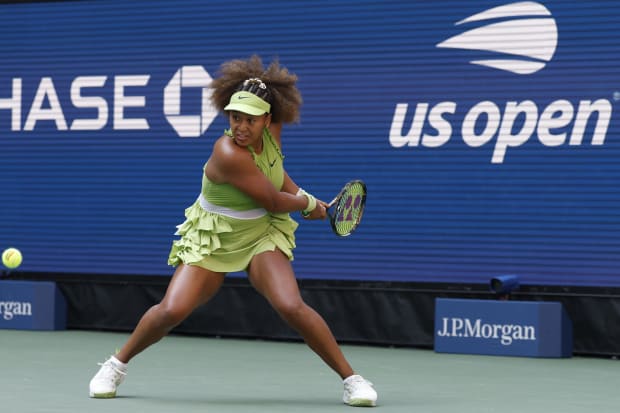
[521, 37]
[192, 125]
[87, 93]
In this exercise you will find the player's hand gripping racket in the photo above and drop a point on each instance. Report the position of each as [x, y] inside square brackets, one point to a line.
[345, 211]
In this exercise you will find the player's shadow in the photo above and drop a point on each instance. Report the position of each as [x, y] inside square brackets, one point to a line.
[254, 403]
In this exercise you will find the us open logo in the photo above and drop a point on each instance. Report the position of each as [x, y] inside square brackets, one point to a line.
[525, 37]
[524, 41]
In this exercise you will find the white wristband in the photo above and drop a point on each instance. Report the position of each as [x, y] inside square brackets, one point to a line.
[311, 202]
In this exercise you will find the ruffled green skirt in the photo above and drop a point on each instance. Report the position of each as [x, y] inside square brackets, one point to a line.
[223, 244]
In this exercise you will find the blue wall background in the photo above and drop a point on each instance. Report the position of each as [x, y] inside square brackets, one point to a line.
[106, 201]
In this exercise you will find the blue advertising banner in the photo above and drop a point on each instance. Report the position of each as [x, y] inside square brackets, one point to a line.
[28, 305]
[502, 328]
[486, 132]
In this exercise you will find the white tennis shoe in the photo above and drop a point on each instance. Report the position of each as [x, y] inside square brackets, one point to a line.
[110, 375]
[358, 392]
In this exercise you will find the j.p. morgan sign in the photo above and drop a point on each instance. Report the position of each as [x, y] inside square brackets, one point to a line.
[510, 328]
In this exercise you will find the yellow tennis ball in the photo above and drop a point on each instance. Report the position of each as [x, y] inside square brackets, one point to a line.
[11, 258]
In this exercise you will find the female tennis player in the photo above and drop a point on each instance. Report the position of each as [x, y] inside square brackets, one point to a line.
[241, 222]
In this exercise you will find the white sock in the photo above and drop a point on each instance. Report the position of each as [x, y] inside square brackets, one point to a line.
[118, 363]
[351, 377]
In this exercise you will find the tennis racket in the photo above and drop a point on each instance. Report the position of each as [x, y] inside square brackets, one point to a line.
[345, 211]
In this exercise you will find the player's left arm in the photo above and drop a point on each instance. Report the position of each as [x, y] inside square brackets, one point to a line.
[289, 185]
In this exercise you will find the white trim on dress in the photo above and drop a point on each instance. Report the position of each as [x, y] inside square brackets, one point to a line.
[217, 209]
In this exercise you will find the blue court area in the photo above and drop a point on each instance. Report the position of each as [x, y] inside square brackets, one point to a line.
[50, 371]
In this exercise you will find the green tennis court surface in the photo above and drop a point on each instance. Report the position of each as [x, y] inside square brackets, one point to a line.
[50, 371]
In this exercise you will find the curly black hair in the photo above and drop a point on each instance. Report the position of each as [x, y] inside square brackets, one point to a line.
[280, 91]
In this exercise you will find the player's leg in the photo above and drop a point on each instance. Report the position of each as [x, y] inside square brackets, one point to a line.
[189, 288]
[272, 276]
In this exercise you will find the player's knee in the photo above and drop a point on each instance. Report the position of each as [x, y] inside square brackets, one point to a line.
[171, 315]
[291, 310]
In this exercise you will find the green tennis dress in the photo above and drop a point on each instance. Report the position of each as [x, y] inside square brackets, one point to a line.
[225, 228]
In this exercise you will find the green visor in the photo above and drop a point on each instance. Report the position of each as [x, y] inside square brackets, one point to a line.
[249, 103]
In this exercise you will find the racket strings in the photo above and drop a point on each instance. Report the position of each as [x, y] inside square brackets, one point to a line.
[349, 208]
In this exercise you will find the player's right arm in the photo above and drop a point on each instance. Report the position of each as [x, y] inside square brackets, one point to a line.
[234, 165]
